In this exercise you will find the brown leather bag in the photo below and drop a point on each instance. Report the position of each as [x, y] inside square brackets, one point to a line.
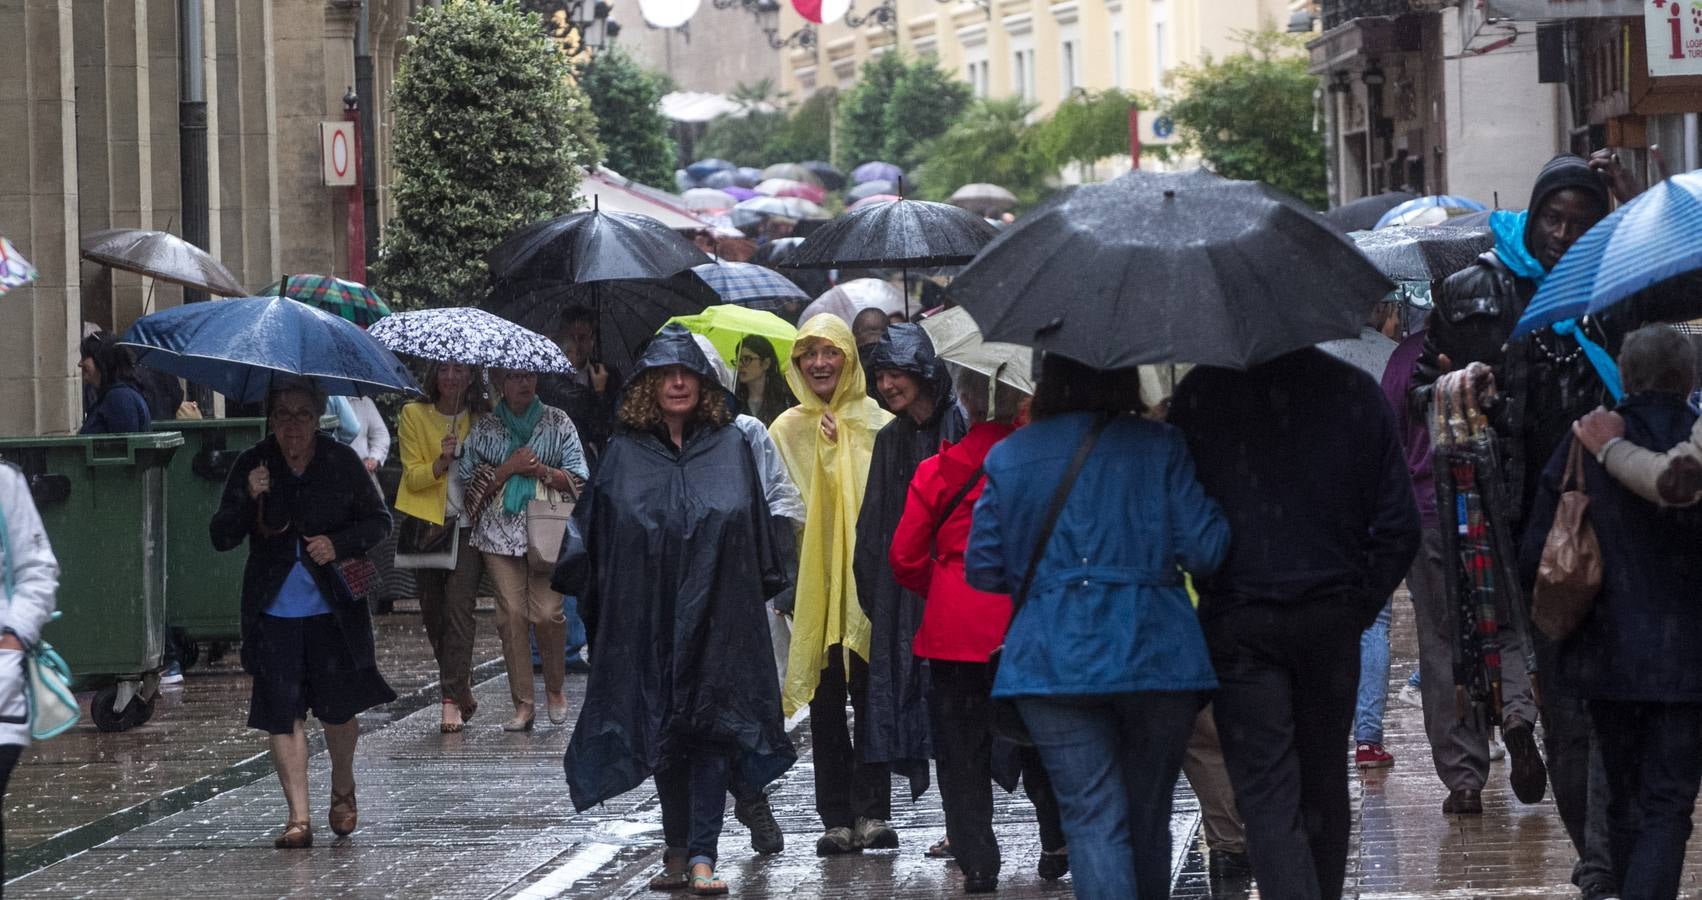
[1569, 576]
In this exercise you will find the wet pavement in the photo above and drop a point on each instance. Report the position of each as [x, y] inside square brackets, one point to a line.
[485, 814]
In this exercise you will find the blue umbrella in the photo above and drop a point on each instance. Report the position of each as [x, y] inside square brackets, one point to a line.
[1655, 237]
[236, 347]
[704, 168]
[748, 284]
[1446, 205]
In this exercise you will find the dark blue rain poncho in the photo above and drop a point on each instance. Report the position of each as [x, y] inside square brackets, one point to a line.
[896, 726]
[670, 556]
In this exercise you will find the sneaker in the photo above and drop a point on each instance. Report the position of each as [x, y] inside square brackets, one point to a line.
[173, 674]
[836, 841]
[1463, 802]
[1410, 695]
[875, 834]
[1529, 776]
[1497, 750]
[1369, 755]
[758, 816]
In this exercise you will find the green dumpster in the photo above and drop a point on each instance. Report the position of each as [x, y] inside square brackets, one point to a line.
[103, 502]
[203, 600]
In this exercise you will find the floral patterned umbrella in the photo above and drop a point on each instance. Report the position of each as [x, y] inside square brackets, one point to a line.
[469, 336]
[350, 299]
[15, 271]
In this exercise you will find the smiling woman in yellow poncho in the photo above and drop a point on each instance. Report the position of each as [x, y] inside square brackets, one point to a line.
[826, 446]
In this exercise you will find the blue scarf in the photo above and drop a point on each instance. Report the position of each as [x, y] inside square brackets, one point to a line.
[1509, 228]
[521, 488]
[1598, 356]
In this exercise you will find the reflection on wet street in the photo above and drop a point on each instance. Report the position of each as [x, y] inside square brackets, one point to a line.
[185, 803]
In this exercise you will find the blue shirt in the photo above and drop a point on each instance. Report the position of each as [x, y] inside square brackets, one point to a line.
[299, 596]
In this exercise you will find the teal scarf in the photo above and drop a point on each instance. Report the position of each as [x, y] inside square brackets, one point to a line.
[1598, 356]
[521, 488]
[1509, 228]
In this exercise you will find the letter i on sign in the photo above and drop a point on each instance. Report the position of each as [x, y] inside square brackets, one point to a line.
[1676, 25]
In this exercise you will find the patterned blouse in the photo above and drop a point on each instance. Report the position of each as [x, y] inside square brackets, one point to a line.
[556, 442]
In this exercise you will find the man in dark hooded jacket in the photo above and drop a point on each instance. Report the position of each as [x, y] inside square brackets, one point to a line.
[915, 386]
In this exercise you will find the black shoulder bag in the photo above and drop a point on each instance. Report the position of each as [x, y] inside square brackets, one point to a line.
[1007, 721]
[951, 507]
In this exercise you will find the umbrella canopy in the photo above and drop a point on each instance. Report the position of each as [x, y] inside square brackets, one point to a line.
[15, 271]
[984, 199]
[237, 347]
[472, 337]
[827, 175]
[593, 246]
[1422, 252]
[1654, 238]
[708, 200]
[704, 168]
[1362, 214]
[1369, 352]
[872, 188]
[784, 187]
[1170, 267]
[721, 180]
[726, 325]
[791, 172]
[754, 210]
[748, 284]
[873, 199]
[1428, 210]
[848, 299]
[740, 194]
[876, 171]
[775, 253]
[628, 311]
[350, 299]
[163, 256]
[957, 340]
[898, 233]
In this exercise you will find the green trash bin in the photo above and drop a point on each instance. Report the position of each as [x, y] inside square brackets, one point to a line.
[103, 501]
[203, 601]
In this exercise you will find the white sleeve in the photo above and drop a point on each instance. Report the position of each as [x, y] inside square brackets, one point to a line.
[35, 572]
[782, 495]
[374, 442]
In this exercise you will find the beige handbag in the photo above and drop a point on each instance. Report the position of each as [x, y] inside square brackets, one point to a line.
[1569, 576]
[546, 522]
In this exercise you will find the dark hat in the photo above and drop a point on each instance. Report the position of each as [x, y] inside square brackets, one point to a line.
[1568, 171]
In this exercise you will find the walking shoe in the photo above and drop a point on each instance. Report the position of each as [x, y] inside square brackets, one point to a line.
[980, 883]
[1229, 874]
[875, 834]
[758, 816]
[836, 841]
[1054, 864]
[1370, 755]
[1409, 695]
[173, 674]
[1529, 776]
[1229, 862]
[1497, 750]
[1464, 802]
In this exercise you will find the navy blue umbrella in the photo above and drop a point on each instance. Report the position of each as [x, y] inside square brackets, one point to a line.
[237, 347]
[1655, 237]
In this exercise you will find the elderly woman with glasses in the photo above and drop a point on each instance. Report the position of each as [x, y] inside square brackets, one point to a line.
[305, 505]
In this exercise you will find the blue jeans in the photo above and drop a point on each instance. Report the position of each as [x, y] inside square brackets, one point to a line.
[693, 791]
[1652, 753]
[1114, 760]
[575, 630]
[1373, 680]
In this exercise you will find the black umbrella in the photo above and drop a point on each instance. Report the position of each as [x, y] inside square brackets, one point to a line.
[1422, 252]
[902, 233]
[1362, 214]
[775, 254]
[629, 311]
[1170, 268]
[830, 177]
[592, 246]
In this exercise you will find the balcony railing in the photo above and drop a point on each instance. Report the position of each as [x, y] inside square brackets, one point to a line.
[1338, 12]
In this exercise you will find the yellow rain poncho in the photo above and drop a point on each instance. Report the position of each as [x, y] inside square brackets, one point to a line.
[831, 477]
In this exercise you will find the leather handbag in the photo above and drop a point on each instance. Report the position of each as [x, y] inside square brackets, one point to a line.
[1569, 575]
[1007, 719]
[546, 523]
[425, 545]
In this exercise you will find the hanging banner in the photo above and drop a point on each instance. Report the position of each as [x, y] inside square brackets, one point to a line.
[821, 12]
[1672, 31]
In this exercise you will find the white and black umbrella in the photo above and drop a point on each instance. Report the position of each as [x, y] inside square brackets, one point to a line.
[469, 336]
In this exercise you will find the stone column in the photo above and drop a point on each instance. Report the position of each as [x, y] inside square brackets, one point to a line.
[309, 214]
[162, 116]
[38, 211]
[247, 145]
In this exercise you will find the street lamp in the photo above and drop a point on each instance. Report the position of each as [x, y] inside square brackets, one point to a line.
[885, 15]
[768, 19]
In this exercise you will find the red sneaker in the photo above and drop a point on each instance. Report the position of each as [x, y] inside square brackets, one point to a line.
[1372, 756]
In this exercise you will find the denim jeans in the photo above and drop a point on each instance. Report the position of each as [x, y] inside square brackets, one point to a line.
[693, 791]
[1652, 754]
[1114, 760]
[575, 629]
[1373, 679]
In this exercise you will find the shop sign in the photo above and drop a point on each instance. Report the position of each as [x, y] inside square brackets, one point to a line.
[1673, 31]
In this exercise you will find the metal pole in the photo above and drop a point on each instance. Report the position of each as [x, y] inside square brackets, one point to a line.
[357, 199]
[367, 91]
[1135, 135]
[192, 129]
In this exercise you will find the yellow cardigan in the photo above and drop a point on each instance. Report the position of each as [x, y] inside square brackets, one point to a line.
[422, 494]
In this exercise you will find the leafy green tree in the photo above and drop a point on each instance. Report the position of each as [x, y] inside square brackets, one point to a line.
[761, 137]
[627, 100]
[491, 133]
[1086, 128]
[1250, 116]
[992, 142]
[863, 120]
[808, 131]
[924, 103]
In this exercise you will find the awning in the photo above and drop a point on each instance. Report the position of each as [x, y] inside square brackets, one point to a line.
[1541, 10]
[616, 193]
[689, 106]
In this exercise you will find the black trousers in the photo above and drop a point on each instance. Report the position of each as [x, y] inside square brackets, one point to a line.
[9, 754]
[846, 789]
[1288, 679]
[961, 719]
[1576, 775]
[1652, 758]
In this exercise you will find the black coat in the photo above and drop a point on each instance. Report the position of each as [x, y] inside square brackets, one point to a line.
[669, 555]
[1639, 644]
[335, 497]
[895, 726]
[593, 414]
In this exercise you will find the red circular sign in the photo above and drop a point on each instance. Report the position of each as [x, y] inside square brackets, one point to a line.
[339, 153]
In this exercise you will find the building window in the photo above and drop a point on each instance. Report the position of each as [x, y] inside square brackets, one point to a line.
[1069, 79]
[1019, 74]
[1118, 76]
[1160, 64]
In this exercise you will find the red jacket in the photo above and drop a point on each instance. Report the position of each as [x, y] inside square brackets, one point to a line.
[959, 623]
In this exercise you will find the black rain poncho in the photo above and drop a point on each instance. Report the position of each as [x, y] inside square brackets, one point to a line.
[670, 556]
[897, 730]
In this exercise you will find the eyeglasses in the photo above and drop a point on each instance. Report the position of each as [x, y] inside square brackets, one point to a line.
[747, 359]
[293, 417]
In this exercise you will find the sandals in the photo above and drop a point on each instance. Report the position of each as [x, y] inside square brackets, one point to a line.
[295, 836]
[451, 727]
[707, 886]
[940, 849]
[343, 812]
[673, 876]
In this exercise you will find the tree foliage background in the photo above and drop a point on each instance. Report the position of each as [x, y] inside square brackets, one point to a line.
[762, 137]
[627, 101]
[895, 109]
[1250, 115]
[991, 142]
[491, 132]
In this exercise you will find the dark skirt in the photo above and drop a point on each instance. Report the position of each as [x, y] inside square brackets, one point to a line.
[303, 664]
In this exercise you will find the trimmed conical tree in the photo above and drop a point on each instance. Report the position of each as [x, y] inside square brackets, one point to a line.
[627, 99]
[491, 132]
